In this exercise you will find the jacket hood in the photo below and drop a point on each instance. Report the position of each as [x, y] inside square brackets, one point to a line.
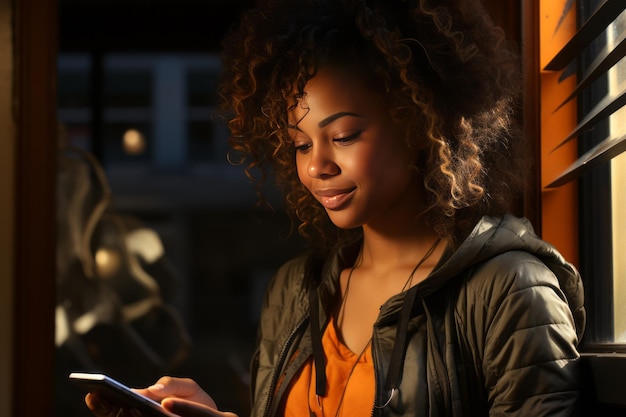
[495, 235]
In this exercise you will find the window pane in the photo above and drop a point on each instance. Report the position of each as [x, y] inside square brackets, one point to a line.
[202, 87]
[127, 88]
[617, 83]
[201, 141]
[73, 87]
[618, 176]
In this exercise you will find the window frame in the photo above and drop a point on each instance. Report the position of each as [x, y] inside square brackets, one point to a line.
[604, 364]
[573, 93]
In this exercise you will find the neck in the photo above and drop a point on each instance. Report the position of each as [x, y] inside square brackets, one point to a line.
[399, 248]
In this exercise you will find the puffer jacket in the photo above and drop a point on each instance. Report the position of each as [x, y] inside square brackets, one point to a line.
[493, 330]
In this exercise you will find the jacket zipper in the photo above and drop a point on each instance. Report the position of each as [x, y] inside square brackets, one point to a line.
[279, 365]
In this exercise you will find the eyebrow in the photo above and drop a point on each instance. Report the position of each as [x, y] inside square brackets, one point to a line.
[328, 120]
[336, 116]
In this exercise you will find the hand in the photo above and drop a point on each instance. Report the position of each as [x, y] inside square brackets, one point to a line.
[180, 396]
[184, 397]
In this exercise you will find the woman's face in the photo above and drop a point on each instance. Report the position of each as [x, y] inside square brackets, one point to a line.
[350, 155]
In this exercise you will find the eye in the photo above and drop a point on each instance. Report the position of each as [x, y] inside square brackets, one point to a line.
[348, 139]
[302, 148]
[301, 143]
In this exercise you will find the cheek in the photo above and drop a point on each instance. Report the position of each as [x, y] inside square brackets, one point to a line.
[373, 163]
[389, 167]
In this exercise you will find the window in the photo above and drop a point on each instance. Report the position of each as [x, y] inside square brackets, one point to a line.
[147, 118]
[150, 108]
[591, 67]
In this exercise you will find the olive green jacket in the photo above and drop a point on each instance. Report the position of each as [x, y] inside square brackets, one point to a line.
[493, 331]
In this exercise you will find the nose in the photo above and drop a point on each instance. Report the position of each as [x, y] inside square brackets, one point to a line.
[322, 163]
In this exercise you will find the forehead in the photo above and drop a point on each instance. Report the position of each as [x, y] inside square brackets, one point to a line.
[334, 90]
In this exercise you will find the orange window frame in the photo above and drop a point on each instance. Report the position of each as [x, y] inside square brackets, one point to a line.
[559, 206]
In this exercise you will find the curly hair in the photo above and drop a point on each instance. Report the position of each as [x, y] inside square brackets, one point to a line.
[449, 76]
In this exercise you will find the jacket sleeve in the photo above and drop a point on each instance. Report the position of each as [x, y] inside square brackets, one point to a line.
[524, 338]
[281, 311]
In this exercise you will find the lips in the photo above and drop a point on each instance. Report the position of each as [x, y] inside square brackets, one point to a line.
[334, 199]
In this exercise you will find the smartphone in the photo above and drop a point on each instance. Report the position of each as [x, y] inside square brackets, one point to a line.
[119, 394]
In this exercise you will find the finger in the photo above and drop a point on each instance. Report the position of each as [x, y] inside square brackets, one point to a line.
[147, 393]
[179, 388]
[169, 386]
[192, 409]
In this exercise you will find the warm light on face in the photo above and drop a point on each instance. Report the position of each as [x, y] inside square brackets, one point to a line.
[350, 154]
[134, 142]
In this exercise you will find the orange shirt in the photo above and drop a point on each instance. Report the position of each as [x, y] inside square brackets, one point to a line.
[350, 382]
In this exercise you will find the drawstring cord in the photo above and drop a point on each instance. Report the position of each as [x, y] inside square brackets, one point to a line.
[318, 351]
[394, 376]
[438, 368]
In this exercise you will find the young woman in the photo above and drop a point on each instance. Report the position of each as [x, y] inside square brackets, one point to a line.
[389, 125]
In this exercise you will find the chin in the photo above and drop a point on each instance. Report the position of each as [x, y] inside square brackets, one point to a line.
[342, 222]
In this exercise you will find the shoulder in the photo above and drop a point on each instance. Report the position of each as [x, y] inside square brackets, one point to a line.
[508, 273]
[510, 292]
[289, 279]
[513, 290]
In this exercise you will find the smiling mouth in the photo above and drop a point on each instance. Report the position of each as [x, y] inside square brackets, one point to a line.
[334, 199]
